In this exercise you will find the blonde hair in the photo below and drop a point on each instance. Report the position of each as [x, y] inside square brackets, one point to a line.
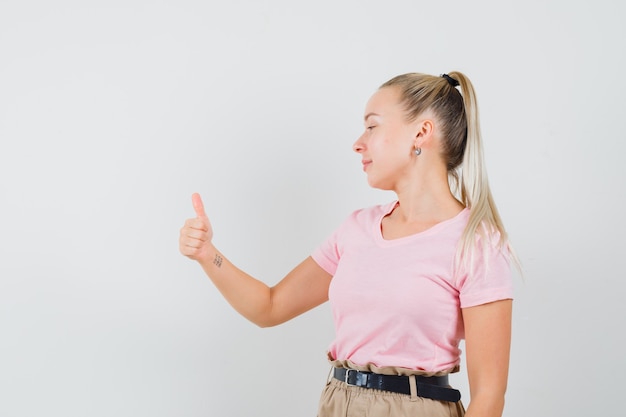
[462, 150]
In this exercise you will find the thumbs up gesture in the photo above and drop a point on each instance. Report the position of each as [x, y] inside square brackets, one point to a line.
[196, 234]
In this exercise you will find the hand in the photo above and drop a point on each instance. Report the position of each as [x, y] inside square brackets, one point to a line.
[196, 234]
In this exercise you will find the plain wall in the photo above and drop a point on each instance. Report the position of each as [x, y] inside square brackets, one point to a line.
[113, 113]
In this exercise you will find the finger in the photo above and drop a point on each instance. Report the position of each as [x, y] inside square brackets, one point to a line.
[196, 223]
[197, 205]
[191, 244]
[197, 234]
[190, 249]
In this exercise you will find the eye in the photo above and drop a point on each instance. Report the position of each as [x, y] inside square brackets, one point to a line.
[370, 127]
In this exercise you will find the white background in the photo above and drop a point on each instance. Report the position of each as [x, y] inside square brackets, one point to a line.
[113, 112]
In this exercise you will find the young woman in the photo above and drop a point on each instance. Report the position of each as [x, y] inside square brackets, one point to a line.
[406, 280]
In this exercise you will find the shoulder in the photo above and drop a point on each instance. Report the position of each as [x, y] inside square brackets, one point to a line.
[484, 269]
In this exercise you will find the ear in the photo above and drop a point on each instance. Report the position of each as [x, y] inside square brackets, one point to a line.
[424, 133]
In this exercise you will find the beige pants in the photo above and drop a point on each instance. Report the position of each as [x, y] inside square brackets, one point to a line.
[340, 400]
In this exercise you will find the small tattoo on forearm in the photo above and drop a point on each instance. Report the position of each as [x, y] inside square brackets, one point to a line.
[218, 260]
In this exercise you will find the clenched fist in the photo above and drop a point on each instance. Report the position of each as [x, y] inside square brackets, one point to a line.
[196, 234]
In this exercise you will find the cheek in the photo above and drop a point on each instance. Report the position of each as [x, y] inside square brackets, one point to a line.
[393, 146]
[390, 143]
[381, 141]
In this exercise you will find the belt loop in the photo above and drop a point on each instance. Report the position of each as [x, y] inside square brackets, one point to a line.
[413, 387]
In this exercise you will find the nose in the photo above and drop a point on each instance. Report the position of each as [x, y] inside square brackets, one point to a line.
[359, 145]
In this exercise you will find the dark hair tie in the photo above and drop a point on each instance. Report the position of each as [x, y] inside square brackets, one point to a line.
[452, 81]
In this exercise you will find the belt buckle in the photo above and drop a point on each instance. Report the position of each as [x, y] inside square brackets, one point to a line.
[347, 377]
[360, 379]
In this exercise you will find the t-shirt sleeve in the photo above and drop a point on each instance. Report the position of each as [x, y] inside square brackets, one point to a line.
[327, 254]
[489, 278]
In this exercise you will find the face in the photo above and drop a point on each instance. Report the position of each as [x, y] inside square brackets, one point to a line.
[386, 146]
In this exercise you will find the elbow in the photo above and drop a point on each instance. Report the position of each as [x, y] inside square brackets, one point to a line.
[264, 321]
[264, 324]
[264, 317]
[266, 314]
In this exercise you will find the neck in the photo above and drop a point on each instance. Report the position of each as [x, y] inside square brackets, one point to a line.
[426, 196]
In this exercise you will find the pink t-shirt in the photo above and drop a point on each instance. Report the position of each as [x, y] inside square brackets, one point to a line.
[396, 302]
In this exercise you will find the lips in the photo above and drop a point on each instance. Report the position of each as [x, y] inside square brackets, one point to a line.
[365, 164]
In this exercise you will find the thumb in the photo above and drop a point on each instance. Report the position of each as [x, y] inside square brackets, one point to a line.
[197, 205]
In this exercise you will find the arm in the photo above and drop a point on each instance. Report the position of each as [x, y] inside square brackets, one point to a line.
[487, 342]
[305, 287]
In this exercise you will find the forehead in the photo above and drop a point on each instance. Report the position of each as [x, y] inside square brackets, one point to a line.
[385, 101]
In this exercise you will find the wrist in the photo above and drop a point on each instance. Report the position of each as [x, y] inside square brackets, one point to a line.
[211, 258]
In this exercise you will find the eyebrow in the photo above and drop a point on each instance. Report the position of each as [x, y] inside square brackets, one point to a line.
[370, 114]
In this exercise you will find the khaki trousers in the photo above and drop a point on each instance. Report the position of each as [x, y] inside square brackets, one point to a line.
[341, 400]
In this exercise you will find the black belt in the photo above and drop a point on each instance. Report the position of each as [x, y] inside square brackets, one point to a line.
[434, 387]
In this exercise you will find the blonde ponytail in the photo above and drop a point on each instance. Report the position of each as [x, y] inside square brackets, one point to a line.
[484, 222]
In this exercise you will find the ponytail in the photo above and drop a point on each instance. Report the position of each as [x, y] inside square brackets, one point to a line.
[484, 221]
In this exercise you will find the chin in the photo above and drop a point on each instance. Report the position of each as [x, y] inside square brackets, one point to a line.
[379, 185]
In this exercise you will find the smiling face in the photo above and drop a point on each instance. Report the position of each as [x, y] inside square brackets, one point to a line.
[387, 145]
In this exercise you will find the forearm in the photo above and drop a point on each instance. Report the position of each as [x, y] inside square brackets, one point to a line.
[487, 343]
[247, 295]
[305, 287]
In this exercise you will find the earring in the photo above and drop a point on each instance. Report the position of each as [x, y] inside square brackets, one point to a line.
[418, 151]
